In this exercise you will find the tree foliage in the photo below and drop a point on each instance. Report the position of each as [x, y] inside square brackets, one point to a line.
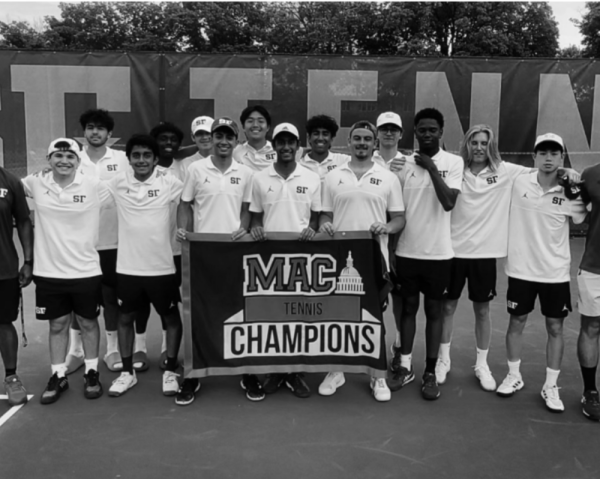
[589, 27]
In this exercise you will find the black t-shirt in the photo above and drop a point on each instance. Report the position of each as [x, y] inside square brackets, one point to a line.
[591, 194]
[12, 205]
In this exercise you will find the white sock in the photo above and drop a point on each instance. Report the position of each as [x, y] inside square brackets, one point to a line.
[91, 364]
[163, 347]
[75, 344]
[112, 342]
[140, 343]
[481, 357]
[551, 378]
[406, 361]
[513, 367]
[444, 351]
[59, 369]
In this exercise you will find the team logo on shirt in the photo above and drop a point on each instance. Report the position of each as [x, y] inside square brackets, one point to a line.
[3, 192]
[492, 179]
[270, 156]
[153, 193]
[112, 167]
[443, 173]
[270, 190]
[375, 181]
[206, 180]
[79, 198]
[235, 181]
[557, 201]
[301, 190]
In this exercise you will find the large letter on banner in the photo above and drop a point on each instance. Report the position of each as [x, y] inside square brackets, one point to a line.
[283, 305]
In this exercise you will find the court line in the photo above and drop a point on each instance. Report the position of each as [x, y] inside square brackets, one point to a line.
[13, 410]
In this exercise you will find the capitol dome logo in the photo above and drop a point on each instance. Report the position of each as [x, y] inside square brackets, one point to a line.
[350, 280]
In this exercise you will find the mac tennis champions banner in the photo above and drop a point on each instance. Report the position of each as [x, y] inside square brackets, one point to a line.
[283, 305]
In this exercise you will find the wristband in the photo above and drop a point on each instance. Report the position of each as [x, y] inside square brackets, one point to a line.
[28, 262]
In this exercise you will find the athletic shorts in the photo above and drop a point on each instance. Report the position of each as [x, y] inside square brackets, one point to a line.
[177, 261]
[58, 297]
[555, 298]
[428, 276]
[481, 274]
[9, 292]
[108, 264]
[588, 302]
[135, 291]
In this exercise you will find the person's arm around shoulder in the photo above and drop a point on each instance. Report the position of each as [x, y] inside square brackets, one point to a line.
[24, 231]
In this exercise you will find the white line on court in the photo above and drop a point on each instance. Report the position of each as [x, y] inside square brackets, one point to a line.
[12, 411]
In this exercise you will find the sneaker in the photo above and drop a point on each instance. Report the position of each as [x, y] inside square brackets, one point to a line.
[400, 378]
[122, 384]
[53, 390]
[330, 384]
[510, 385]
[14, 389]
[591, 405]
[552, 398]
[253, 387]
[272, 382]
[92, 386]
[395, 361]
[297, 385]
[486, 380]
[380, 390]
[170, 386]
[187, 391]
[429, 387]
[442, 368]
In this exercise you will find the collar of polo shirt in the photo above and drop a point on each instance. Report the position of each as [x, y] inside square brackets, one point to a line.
[534, 179]
[150, 179]
[293, 174]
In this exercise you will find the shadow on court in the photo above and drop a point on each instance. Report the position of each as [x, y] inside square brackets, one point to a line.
[467, 433]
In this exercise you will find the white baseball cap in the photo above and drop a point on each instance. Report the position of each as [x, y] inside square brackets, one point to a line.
[202, 123]
[389, 118]
[286, 128]
[549, 137]
[73, 146]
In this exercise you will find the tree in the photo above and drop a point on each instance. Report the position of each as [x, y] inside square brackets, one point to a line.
[572, 51]
[589, 27]
[20, 35]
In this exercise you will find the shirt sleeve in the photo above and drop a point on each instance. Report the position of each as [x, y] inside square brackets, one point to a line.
[455, 174]
[176, 189]
[105, 194]
[256, 203]
[19, 207]
[395, 200]
[189, 185]
[238, 153]
[247, 194]
[28, 184]
[327, 194]
[315, 203]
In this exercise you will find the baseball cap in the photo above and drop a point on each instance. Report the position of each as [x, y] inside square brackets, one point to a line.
[549, 137]
[202, 123]
[73, 146]
[286, 128]
[389, 118]
[225, 122]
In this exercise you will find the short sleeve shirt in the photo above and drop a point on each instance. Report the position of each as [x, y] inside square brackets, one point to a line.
[591, 256]
[333, 161]
[256, 160]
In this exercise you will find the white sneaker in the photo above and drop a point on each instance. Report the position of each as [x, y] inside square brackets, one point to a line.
[442, 368]
[380, 390]
[330, 384]
[170, 384]
[552, 399]
[511, 384]
[122, 384]
[486, 380]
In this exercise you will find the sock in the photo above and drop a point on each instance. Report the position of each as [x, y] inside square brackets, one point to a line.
[10, 372]
[171, 364]
[112, 342]
[127, 364]
[140, 343]
[589, 378]
[75, 344]
[551, 378]
[163, 347]
[59, 369]
[430, 365]
[91, 364]
[513, 367]
[481, 357]
[444, 352]
[406, 361]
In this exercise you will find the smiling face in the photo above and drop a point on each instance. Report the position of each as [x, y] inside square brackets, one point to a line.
[224, 142]
[96, 134]
[286, 146]
[256, 127]
[142, 161]
[428, 133]
[168, 144]
[63, 162]
[361, 143]
[389, 135]
[320, 140]
[203, 140]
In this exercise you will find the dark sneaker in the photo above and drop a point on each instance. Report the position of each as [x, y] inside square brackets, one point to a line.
[15, 391]
[53, 390]
[297, 385]
[400, 378]
[93, 386]
[253, 388]
[187, 391]
[591, 405]
[430, 389]
[273, 381]
[395, 361]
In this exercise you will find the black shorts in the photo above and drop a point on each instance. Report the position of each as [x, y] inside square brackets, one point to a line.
[481, 274]
[108, 264]
[428, 276]
[135, 291]
[555, 298]
[58, 297]
[177, 261]
[9, 292]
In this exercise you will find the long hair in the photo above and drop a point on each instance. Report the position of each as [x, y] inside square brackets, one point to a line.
[492, 153]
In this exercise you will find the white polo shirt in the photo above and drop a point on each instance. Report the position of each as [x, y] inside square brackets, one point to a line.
[377, 158]
[67, 221]
[256, 160]
[538, 231]
[144, 210]
[217, 196]
[195, 157]
[357, 204]
[112, 163]
[480, 217]
[333, 161]
[427, 234]
[286, 203]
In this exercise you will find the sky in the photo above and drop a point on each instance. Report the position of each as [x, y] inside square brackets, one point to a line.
[34, 12]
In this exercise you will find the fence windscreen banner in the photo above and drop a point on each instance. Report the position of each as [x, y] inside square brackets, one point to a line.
[44, 93]
[283, 305]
